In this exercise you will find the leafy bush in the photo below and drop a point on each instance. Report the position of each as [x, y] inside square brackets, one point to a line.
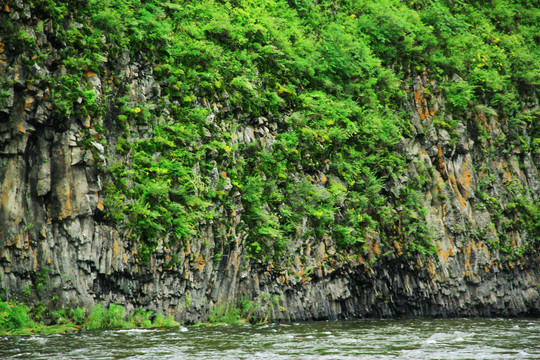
[111, 318]
[14, 317]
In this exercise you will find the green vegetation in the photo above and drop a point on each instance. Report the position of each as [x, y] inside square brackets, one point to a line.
[19, 319]
[325, 82]
[244, 311]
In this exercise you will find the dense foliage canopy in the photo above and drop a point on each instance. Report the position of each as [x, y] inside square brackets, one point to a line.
[327, 80]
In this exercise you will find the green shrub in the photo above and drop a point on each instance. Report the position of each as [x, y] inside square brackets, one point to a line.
[14, 318]
[226, 314]
[111, 318]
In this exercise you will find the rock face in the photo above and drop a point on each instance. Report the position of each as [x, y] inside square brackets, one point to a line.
[55, 244]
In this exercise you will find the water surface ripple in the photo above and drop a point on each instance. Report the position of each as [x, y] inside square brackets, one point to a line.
[360, 339]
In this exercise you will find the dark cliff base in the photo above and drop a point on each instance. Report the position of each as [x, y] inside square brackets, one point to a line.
[101, 269]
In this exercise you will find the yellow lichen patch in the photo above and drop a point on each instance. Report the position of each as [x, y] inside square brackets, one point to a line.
[444, 254]
[19, 243]
[200, 263]
[398, 248]
[421, 105]
[100, 204]
[507, 177]
[482, 247]
[431, 269]
[67, 208]
[376, 249]
[27, 241]
[88, 122]
[28, 103]
[467, 252]
[440, 159]
[116, 248]
[21, 129]
[461, 200]
[465, 176]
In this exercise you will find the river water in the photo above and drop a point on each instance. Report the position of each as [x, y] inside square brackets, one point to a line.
[360, 339]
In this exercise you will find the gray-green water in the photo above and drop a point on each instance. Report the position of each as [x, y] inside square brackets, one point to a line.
[363, 339]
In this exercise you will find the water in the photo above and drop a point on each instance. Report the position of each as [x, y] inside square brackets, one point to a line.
[363, 339]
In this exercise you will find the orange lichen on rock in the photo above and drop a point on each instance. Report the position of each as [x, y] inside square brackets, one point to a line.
[421, 105]
[100, 204]
[28, 102]
[465, 177]
[90, 74]
[442, 165]
[67, 208]
[507, 177]
[461, 200]
[116, 248]
[444, 254]
[431, 268]
[467, 252]
[200, 263]
[398, 248]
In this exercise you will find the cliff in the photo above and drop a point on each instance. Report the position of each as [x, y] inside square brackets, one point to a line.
[135, 168]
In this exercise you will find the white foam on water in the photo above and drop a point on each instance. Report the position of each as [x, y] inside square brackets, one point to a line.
[38, 339]
[135, 331]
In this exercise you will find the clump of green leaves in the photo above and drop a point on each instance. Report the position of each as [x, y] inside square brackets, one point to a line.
[14, 317]
[19, 319]
[244, 311]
